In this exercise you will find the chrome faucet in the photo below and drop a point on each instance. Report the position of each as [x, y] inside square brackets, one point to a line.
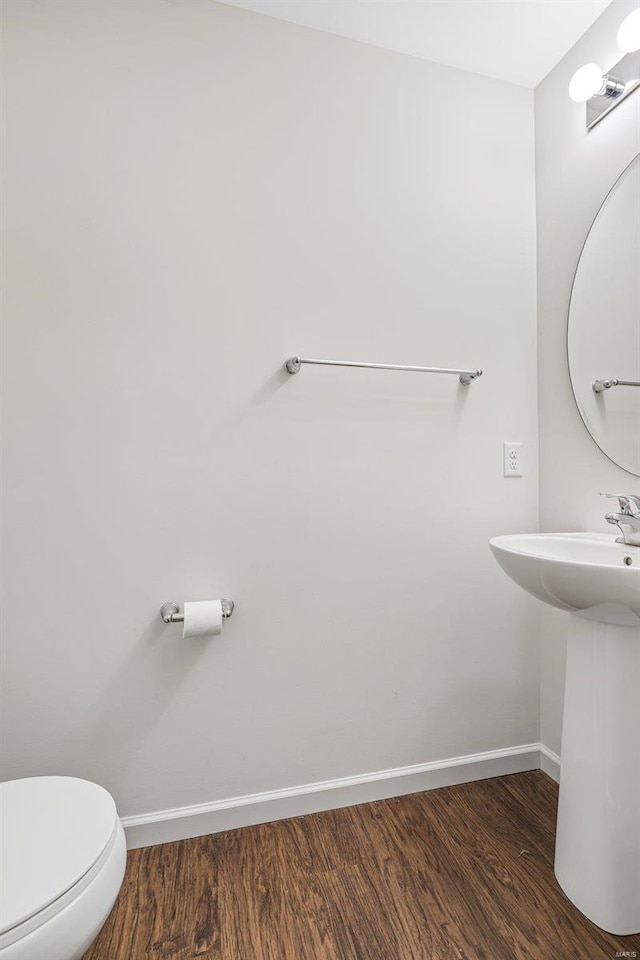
[628, 520]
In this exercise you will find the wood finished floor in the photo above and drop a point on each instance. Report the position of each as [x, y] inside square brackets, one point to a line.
[461, 873]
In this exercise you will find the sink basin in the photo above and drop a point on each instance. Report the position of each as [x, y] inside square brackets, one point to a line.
[595, 579]
[586, 572]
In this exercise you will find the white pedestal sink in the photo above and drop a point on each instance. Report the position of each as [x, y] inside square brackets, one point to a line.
[597, 580]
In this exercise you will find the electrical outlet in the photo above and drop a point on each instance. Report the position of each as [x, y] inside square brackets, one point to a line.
[512, 458]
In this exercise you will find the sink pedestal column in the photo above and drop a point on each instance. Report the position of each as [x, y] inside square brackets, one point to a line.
[597, 861]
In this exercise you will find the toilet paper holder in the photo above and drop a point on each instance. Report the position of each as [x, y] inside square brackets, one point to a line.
[170, 611]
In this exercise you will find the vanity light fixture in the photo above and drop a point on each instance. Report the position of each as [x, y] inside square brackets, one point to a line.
[602, 92]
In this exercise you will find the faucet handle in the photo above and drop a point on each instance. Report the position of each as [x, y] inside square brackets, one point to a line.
[629, 502]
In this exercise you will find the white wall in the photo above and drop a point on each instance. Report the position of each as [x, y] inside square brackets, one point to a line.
[196, 193]
[575, 170]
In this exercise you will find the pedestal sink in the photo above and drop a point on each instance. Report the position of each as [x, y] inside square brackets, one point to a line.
[597, 580]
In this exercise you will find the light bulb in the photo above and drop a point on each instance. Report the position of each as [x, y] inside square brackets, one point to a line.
[629, 33]
[586, 82]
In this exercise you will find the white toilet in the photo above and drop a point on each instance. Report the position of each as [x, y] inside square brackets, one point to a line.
[62, 863]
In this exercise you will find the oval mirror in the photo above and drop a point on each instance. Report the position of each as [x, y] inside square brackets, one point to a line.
[603, 339]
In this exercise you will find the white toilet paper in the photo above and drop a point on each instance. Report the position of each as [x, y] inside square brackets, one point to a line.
[202, 618]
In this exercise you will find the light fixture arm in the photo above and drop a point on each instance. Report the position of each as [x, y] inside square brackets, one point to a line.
[611, 86]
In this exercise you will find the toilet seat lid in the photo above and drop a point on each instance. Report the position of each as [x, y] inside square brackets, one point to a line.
[52, 831]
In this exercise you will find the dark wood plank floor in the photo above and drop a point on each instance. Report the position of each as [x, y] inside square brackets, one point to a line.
[462, 873]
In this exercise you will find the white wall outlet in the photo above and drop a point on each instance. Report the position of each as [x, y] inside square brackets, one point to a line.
[512, 458]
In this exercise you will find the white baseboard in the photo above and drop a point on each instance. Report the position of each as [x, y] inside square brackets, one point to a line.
[183, 822]
[550, 762]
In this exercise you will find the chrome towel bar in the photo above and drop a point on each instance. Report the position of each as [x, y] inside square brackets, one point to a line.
[292, 365]
[170, 611]
[600, 385]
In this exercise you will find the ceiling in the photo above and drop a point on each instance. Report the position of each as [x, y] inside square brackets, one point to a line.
[519, 41]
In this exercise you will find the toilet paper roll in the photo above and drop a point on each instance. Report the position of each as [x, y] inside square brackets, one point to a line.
[202, 618]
